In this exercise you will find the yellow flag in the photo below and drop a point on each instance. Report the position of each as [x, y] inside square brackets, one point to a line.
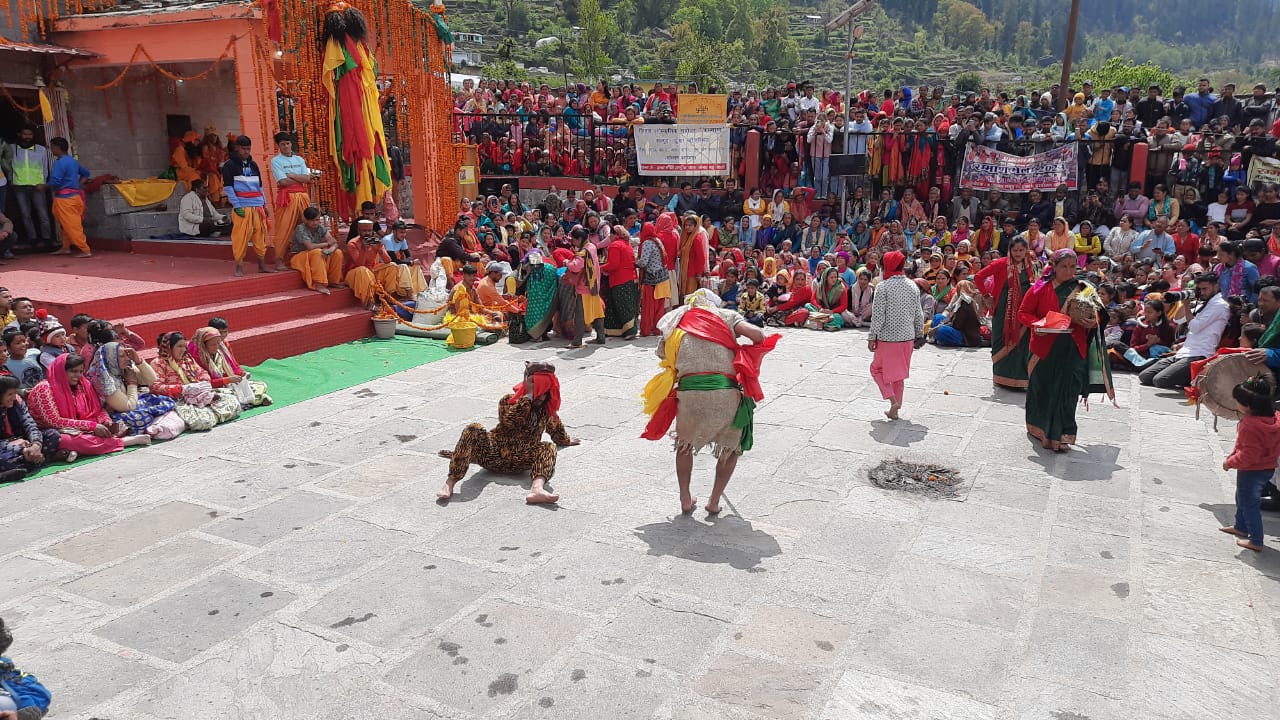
[46, 108]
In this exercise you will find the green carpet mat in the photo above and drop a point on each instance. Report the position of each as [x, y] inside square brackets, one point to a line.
[310, 375]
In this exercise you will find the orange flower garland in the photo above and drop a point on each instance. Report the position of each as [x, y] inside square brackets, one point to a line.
[412, 59]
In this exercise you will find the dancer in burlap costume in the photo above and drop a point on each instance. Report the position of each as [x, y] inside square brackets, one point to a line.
[709, 386]
[516, 444]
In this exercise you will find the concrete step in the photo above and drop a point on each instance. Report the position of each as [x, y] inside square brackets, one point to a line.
[241, 313]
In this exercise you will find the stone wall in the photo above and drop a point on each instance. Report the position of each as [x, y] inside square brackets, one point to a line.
[108, 142]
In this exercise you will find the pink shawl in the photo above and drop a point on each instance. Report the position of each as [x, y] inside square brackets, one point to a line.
[82, 403]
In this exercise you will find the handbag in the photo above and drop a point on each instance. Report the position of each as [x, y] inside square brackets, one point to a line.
[226, 406]
[167, 426]
[198, 394]
[243, 392]
[517, 333]
[196, 418]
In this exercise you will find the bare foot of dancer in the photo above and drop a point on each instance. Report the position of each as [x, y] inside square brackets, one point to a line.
[1232, 531]
[712, 510]
[446, 492]
[1249, 546]
[685, 509]
[538, 494]
[541, 497]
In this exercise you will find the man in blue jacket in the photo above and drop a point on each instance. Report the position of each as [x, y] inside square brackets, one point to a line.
[22, 697]
[1201, 104]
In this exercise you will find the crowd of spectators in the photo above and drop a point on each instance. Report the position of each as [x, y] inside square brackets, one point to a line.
[84, 388]
[910, 138]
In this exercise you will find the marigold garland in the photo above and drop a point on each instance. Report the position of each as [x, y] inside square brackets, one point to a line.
[227, 52]
[411, 58]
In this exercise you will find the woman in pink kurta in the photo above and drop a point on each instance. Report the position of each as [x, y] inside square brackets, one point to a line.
[66, 402]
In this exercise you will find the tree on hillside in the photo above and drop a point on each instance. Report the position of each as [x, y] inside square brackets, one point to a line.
[701, 59]
[654, 13]
[740, 27]
[774, 46]
[570, 8]
[598, 27]
[1119, 71]
[963, 25]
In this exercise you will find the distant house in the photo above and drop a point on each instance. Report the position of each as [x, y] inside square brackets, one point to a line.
[471, 38]
[466, 58]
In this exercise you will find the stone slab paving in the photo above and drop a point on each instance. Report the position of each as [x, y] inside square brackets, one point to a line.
[295, 565]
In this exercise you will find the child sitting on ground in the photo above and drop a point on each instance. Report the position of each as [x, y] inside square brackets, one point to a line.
[22, 697]
[1254, 457]
[753, 304]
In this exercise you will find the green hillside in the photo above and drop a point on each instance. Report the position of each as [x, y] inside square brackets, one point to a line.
[1009, 42]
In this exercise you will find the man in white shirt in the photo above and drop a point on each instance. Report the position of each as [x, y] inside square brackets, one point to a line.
[1204, 332]
[808, 102]
[1154, 244]
[197, 216]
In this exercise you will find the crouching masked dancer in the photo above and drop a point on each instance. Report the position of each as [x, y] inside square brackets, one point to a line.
[516, 444]
[709, 386]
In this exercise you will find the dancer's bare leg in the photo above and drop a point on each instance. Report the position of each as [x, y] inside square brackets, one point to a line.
[724, 472]
[684, 472]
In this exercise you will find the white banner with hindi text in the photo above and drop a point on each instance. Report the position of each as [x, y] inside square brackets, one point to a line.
[682, 150]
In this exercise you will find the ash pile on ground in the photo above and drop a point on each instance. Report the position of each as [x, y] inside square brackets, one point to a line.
[925, 479]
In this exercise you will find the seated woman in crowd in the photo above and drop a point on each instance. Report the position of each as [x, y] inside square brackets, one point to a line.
[211, 351]
[787, 312]
[117, 375]
[960, 323]
[942, 290]
[860, 296]
[202, 401]
[67, 403]
[24, 447]
[831, 298]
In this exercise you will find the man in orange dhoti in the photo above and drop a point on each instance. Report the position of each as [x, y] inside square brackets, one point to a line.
[316, 254]
[292, 177]
[68, 199]
[369, 265]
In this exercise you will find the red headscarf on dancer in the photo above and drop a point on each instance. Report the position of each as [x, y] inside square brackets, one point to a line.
[892, 263]
[545, 382]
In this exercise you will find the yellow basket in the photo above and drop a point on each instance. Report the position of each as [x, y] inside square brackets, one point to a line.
[462, 335]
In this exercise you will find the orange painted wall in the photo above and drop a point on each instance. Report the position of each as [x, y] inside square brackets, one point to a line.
[192, 36]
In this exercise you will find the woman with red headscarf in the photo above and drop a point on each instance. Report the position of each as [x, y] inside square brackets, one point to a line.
[1005, 281]
[516, 444]
[66, 402]
[897, 324]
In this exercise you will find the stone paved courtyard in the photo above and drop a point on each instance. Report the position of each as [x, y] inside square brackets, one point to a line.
[296, 565]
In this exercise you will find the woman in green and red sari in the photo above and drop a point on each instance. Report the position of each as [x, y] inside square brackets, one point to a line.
[1059, 373]
[1006, 281]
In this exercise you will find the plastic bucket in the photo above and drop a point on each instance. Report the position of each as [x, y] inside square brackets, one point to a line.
[384, 328]
[462, 335]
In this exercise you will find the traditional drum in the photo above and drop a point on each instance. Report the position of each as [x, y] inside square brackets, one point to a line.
[1214, 383]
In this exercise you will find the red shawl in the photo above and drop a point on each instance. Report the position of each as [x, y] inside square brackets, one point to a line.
[1003, 272]
[707, 325]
